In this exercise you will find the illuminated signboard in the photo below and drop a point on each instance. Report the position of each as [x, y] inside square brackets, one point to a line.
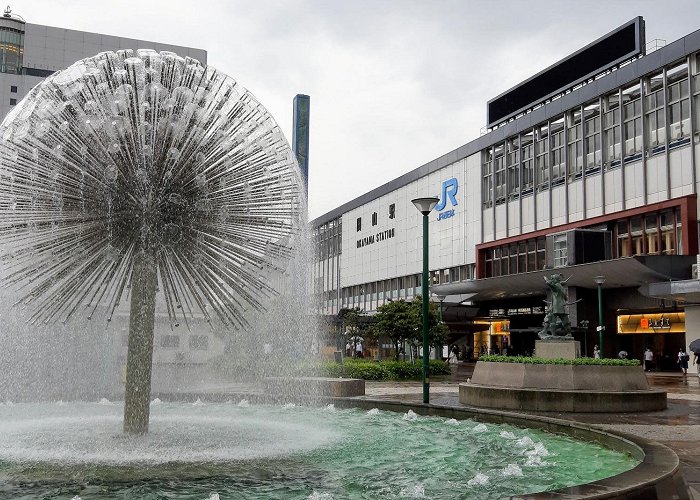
[651, 323]
[619, 45]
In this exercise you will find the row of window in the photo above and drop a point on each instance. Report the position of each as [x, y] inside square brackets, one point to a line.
[375, 217]
[196, 342]
[598, 135]
[369, 296]
[656, 233]
[328, 239]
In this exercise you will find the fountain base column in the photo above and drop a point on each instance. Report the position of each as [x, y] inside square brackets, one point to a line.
[137, 397]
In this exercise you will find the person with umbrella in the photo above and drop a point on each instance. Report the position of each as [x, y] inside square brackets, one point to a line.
[694, 347]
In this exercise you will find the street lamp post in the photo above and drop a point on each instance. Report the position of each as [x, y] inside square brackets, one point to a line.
[601, 328]
[424, 206]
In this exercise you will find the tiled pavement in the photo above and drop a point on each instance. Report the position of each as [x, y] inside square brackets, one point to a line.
[678, 427]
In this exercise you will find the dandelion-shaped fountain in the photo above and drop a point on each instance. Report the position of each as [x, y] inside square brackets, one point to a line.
[133, 173]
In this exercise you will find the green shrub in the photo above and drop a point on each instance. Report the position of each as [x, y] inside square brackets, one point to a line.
[543, 361]
[368, 370]
[439, 367]
[380, 370]
[403, 370]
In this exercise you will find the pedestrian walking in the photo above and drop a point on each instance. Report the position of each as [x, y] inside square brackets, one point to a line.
[596, 352]
[683, 359]
[648, 360]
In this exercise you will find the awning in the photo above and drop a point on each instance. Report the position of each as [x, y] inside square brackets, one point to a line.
[687, 291]
[627, 272]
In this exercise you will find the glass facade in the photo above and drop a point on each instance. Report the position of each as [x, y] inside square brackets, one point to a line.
[649, 116]
[11, 50]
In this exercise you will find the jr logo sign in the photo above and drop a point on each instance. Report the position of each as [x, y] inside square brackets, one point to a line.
[449, 191]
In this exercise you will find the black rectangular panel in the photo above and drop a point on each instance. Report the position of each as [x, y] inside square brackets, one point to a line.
[625, 42]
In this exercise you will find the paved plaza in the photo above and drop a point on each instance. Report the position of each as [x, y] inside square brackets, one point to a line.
[677, 427]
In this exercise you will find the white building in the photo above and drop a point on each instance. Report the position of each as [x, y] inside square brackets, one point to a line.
[589, 167]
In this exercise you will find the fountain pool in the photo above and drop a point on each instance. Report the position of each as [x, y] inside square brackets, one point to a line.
[238, 450]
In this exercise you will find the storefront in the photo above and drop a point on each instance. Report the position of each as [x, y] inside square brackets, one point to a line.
[494, 339]
[662, 332]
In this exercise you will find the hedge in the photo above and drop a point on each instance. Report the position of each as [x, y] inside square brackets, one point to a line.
[559, 361]
[382, 370]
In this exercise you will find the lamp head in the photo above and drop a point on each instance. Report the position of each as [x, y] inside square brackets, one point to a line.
[425, 205]
[599, 279]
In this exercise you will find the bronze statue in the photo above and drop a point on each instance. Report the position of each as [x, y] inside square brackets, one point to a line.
[556, 325]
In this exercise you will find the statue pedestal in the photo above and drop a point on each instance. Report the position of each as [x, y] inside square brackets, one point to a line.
[558, 349]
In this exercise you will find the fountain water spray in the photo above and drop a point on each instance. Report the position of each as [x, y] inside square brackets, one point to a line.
[137, 173]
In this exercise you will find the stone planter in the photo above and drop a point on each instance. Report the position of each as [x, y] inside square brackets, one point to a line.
[568, 388]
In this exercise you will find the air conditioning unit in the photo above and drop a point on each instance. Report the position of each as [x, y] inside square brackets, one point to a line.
[694, 271]
[676, 131]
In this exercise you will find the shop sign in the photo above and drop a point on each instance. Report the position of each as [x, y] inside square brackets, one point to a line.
[651, 323]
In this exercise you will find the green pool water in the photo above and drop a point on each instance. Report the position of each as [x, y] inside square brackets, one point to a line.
[209, 451]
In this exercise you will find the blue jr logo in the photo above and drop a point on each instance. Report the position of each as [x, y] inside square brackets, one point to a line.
[449, 190]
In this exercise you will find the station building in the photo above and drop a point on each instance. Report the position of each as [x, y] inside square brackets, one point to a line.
[589, 169]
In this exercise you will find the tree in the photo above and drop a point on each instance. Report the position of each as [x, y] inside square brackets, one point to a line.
[354, 323]
[437, 329]
[396, 320]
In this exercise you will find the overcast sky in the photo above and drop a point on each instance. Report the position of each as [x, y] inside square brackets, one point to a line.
[393, 84]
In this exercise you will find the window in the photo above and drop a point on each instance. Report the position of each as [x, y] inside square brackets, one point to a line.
[528, 166]
[559, 247]
[574, 147]
[541, 253]
[668, 244]
[611, 130]
[199, 343]
[170, 341]
[392, 211]
[374, 219]
[652, 232]
[624, 246]
[696, 95]
[488, 263]
[497, 261]
[13, 101]
[556, 133]
[678, 102]
[487, 177]
[13, 89]
[591, 137]
[513, 261]
[513, 166]
[637, 236]
[632, 120]
[359, 224]
[522, 256]
[655, 112]
[531, 257]
[542, 156]
[500, 172]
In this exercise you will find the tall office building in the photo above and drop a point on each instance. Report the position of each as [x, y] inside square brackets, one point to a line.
[31, 52]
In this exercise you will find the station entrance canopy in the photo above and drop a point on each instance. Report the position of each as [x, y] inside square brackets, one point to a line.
[627, 272]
